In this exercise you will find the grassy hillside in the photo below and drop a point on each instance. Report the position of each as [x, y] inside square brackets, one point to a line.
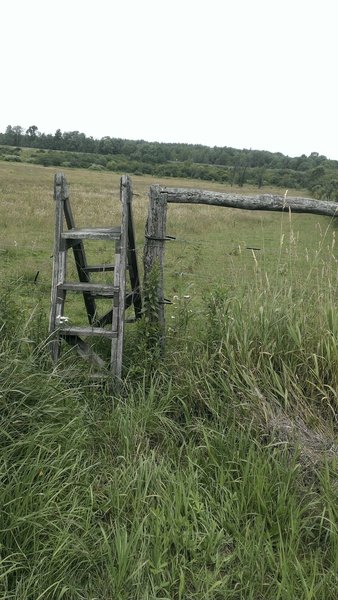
[212, 473]
[224, 165]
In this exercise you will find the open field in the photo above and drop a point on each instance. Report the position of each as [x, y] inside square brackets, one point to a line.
[212, 473]
[212, 243]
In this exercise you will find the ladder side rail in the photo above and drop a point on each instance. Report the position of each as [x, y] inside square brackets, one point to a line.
[59, 267]
[120, 284]
[80, 258]
[132, 257]
[114, 312]
[124, 186]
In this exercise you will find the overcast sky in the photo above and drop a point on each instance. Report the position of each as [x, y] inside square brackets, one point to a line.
[258, 74]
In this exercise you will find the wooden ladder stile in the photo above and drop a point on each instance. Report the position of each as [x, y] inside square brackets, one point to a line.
[125, 259]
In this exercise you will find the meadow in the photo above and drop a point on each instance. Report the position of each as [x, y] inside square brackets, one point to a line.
[212, 473]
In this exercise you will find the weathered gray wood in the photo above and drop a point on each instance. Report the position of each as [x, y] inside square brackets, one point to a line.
[125, 258]
[114, 311]
[269, 202]
[155, 234]
[59, 264]
[97, 289]
[95, 233]
[79, 256]
[96, 331]
[99, 268]
[120, 282]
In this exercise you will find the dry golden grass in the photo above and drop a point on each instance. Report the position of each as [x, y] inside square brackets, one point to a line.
[211, 245]
[27, 210]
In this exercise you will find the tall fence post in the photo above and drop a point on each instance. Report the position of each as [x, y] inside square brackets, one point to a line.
[153, 257]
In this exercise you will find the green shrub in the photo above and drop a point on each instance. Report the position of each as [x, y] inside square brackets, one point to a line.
[95, 167]
[11, 158]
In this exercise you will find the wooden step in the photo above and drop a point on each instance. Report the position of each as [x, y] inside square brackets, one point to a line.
[96, 289]
[94, 233]
[85, 331]
[98, 268]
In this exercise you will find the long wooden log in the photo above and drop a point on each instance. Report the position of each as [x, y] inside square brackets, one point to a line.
[270, 202]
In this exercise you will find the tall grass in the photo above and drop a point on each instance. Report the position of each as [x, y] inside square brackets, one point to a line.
[211, 476]
[212, 473]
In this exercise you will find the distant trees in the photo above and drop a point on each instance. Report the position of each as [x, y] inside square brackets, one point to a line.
[327, 190]
[224, 164]
[32, 131]
[13, 135]
[58, 140]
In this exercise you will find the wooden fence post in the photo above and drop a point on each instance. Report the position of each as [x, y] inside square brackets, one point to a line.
[155, 235]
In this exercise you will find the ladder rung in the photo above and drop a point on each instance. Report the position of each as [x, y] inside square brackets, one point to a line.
[96, 331]
[95, 233]
[96, 289]
[98, 268]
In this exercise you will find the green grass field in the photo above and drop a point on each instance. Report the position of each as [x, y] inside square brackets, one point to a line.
[212, 473]
[211, 246]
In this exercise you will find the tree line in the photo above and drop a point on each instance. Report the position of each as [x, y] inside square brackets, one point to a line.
[315, 172]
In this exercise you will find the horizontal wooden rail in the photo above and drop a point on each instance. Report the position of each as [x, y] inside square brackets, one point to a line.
[269, 202]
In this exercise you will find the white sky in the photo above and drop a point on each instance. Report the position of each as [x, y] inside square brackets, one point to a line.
[256, 74]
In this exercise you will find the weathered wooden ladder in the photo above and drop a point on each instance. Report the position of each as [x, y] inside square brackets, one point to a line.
[125, 259]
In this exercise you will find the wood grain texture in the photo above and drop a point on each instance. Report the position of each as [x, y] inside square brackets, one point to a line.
[155, 234]
[87, 331]
[96, 289]
[78, 253]
[125, 198]
[95, 233]
[269, 202]
[59, 264]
